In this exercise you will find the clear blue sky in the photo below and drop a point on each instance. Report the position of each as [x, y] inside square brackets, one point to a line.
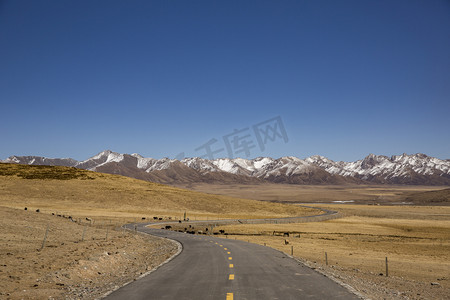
[347, 78]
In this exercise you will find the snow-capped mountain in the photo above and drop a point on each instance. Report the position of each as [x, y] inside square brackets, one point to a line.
[398, 169]
[39, 160]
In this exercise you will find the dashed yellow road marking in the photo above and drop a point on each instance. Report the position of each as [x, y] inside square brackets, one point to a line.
[225, 249]
[217, 243]
[231, 266]
[229, 296]
[228, 252]
[221, 245]
[230, 258]
[231, 277]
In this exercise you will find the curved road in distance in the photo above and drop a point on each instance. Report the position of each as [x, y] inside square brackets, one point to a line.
[217, 268]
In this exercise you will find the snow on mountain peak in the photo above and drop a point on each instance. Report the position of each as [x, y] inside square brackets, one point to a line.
[101, 154]
[261, 162]
[137, 155]
[158, 164]
[100, 159]
[12, 159]
[226, 165]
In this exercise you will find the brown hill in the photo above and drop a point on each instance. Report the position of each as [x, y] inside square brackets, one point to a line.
[441, 197]
[87, 193]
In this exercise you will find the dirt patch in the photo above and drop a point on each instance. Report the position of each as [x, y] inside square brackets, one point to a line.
[71, 265]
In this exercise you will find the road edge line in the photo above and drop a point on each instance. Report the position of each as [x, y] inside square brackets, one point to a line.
[334, 279]
[329, 276]
[180, 249]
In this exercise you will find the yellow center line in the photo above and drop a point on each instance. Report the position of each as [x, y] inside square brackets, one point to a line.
[228, 252]
[231, 266]
[229, 296]
[230, 258]
[225, 249]
[221, 245]
[231, 277]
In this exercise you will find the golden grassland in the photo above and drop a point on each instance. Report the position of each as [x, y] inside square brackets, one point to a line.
[81, 193]
[292, 193]
[416, 241]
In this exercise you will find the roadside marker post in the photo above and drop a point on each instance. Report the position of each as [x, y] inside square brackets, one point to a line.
[292, 250]
[387, 273]
[45, 238]
[326, 259]
[84, 231]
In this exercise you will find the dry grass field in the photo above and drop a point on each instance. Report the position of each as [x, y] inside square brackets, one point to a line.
[81, 193]
[71, 265]
[416, 241]
[354, 194]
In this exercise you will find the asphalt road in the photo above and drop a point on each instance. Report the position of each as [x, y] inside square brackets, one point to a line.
[217, 268]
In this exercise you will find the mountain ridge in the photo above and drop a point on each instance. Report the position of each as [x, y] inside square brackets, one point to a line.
[414, 169]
